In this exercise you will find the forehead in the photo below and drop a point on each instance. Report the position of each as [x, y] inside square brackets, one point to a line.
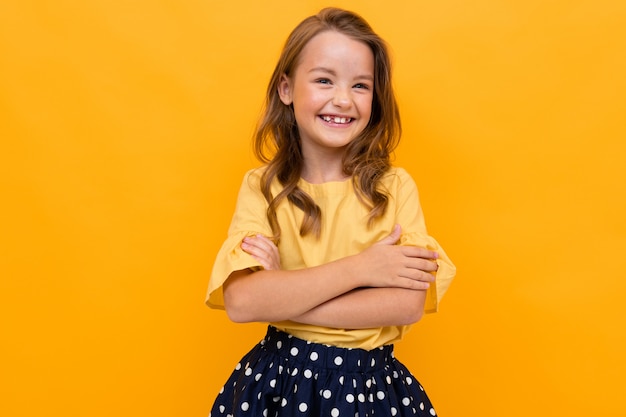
[334, 49]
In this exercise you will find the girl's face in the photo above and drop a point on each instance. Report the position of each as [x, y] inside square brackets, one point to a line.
[331, 91]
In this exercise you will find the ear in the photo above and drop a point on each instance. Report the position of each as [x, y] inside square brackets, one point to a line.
[285, 90]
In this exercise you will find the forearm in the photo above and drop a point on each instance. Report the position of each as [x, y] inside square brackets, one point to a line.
[368, 307]
[277, 295]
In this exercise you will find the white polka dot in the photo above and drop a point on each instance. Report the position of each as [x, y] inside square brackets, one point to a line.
[338, 360]
[395, 374]
[341, 379]
[222, 409]
[380, 395]
[373, 361]
[303, 407]
[422, 406]
[350, 398]
[308, 374]
[258, 376]
[283, 402]
[245, 406]
[421, 388]
[280, 369]
[361, 398]
[279, 344]
[370, 398]
[388, 379]
[258, 397]
[294, 351]
[314, 356]
[432, 412]
[273, 383]
[276, 399]
[394, 411]
[334, 412]
[238, 367]
[368, 383]
[409, 380]
[406, 402]
[248, 372]
[326, 394]
[265, 413]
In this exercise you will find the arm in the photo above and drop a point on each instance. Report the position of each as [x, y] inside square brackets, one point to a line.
[276, 295]
[368, 307]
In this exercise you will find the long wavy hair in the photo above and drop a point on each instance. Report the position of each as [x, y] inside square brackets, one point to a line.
[367, 157]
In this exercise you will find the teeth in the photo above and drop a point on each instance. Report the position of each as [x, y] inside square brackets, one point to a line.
[337, 119]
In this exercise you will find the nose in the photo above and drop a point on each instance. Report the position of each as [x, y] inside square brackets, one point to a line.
[342, 97]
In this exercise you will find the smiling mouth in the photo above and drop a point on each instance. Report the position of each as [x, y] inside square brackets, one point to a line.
[337, 119]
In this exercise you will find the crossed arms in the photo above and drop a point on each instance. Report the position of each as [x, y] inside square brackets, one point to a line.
[385, 285]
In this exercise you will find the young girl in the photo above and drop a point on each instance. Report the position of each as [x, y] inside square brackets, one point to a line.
[328, 242]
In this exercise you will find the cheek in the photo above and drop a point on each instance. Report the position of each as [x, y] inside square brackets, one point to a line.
[365, 105]
[310, 103]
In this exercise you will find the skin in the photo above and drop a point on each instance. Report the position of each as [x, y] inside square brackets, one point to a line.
[333, 79]
[331, 91]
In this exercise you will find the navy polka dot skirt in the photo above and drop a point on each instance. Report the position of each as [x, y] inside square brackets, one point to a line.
[289, 377]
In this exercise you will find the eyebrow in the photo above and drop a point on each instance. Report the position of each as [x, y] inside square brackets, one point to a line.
[331, 72]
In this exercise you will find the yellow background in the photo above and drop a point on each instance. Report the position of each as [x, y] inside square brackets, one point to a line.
[125, 130]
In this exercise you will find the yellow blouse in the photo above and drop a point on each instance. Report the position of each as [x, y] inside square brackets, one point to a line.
[344, 233]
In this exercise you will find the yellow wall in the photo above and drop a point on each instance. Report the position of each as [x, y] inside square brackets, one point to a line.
[125, 132]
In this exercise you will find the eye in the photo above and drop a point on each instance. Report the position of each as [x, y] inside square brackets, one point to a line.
[362, 86]
[323, 81]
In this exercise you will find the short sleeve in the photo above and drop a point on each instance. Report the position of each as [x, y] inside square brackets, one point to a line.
[410, 216]
[249, 219]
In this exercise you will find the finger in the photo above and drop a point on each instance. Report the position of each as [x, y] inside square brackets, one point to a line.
[264, 262]
[418, 252]
[393, 237]
[265, 240]
[423, 273]
[420, 264]
[258, 254]
[263, 250]
[252, 248]
[258, 243]
[412, 284]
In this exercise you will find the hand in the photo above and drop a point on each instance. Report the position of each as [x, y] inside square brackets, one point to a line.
[385, 264]
[263, 250]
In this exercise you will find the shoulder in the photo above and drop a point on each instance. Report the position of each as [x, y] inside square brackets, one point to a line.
[397, 177]
[251, 183]
[255, 174]
[252, 178]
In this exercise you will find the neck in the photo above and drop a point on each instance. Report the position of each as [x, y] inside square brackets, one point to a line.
[321, 170]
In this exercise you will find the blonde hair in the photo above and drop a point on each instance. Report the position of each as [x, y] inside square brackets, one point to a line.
[367, 157]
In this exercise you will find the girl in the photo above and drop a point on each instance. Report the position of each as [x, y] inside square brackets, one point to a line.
[328, 243]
